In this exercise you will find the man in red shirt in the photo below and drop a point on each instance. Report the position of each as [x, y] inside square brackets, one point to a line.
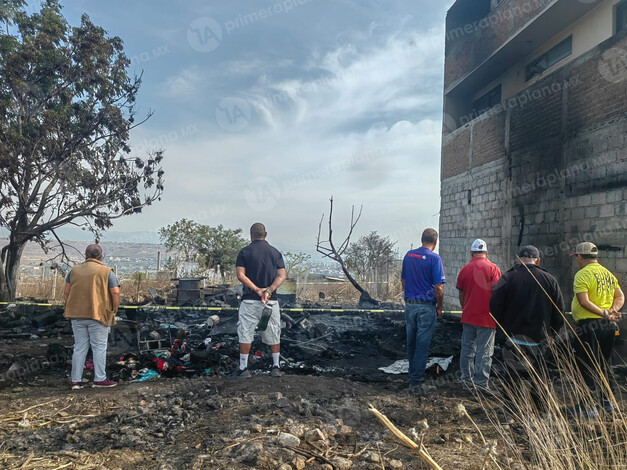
[475, 282]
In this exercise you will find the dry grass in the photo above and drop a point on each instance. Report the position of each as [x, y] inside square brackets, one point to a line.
[552, 437]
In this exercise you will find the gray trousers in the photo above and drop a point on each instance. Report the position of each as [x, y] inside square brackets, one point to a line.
[476, 355]
[89, 332]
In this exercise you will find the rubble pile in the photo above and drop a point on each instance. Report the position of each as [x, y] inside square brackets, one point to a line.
[151, 342]
[184, 343]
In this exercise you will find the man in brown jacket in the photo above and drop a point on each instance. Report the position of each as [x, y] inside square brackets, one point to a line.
[92, 297]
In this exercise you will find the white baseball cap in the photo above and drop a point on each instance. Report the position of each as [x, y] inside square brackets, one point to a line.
[479, 245]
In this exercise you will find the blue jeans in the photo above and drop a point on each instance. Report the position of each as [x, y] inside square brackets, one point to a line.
[89, 332]
[476, 355]
[420, 321]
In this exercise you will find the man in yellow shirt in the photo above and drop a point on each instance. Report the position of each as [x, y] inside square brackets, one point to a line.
[596, 308]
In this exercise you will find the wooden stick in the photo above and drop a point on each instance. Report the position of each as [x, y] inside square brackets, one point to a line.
[27, 461]
[423, 454]
[309, 453]
[354, 454]
[381, 458]
[34, 406]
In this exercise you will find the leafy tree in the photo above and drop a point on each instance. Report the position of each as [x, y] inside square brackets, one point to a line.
[180, 241]
[219, 246]
[296, 264]
[210, 247]
[67, 105]
[370, 252]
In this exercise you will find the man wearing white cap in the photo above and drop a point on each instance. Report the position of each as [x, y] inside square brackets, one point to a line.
[596, 307]
[475, 282]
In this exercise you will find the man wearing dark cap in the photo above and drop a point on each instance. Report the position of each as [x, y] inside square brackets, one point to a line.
[423, 280]
[527, 315]
[92, 297]
[260, 268]
[596, 308]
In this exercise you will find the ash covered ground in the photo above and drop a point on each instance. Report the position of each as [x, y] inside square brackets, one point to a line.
[191, 416]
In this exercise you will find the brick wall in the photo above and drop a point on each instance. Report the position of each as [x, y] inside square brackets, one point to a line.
[488, 137]
[547, 169]
[470, 44]
[453, 161]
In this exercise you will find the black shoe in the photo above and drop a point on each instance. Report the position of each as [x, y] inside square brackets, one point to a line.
[240, 374]
[420, 389]
[276, 371]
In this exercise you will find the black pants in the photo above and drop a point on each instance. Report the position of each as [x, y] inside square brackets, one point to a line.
[525, 364]
[598, 337]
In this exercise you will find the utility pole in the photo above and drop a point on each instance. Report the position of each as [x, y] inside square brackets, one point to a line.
[54, 283]
[158, 261]
[43, 280]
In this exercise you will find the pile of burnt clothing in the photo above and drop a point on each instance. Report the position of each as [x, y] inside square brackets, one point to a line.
[182, 359]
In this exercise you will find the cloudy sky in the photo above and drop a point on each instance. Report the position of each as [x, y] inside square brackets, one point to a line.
[266, 109]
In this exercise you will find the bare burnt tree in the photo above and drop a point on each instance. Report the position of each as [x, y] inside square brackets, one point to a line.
[328, 249]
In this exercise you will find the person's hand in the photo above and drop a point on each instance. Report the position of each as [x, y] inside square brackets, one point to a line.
[260, 292]
[438, 310]
[614, 315]
[265, 297]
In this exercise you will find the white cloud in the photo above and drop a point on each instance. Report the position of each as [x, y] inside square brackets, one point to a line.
[184, 84]
[352, 123]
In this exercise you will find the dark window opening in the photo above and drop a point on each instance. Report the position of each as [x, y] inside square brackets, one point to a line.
[621, 17]
[486, 102]
[550, 58]
[469, 196]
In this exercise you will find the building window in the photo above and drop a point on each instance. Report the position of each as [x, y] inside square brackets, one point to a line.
[621, 17]
[550, 58]
[486, 102]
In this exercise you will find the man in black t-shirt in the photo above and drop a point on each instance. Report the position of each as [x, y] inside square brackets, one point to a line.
[260, 268]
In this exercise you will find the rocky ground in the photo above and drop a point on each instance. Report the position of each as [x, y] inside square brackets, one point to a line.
[314, 417]
[292, 422]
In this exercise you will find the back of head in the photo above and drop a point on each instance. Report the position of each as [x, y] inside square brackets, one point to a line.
[429, 237]
[93, 251]
[529, 254]
[258, 231]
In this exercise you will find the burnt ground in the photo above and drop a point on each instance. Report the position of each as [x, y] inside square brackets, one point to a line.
[199, 419]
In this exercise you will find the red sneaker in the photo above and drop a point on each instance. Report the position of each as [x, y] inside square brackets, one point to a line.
[78, 385]
[106, 383]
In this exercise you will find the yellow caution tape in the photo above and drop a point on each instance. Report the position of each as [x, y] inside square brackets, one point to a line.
[221, 309]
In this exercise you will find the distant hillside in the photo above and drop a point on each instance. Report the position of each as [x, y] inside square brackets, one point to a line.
[128, 256]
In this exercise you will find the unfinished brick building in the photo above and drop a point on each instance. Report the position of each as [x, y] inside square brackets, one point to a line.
[535, 126]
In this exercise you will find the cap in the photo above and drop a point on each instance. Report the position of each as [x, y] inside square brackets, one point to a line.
[479, 245]
[528, 251]
[586, 248]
